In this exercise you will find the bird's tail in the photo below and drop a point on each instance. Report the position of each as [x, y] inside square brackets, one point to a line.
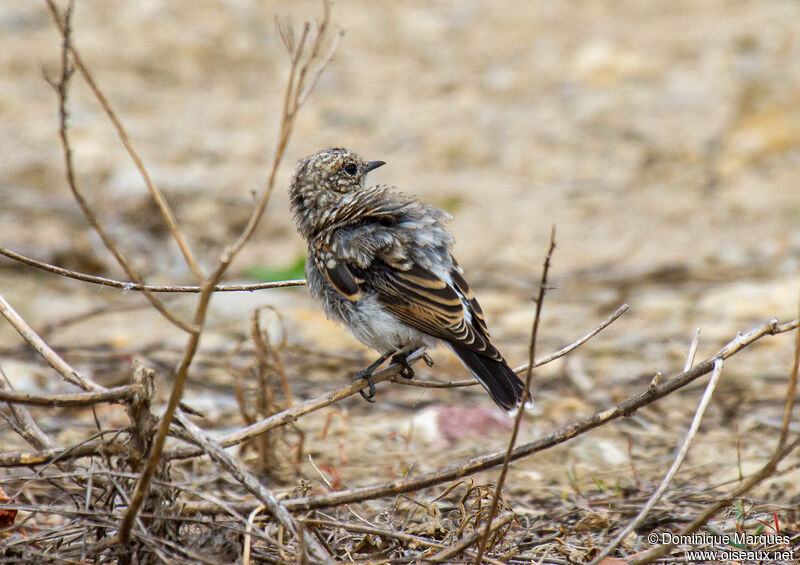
[497, 378]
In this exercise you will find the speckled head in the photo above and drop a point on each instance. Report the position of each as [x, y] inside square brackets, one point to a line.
[322, 179]
[336, 169]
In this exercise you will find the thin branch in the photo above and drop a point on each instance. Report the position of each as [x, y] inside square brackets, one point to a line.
[254, 486]
[129, 285]
[29, 430]
[447, 554]
[318, 72]
[291, 106]
[692, 350]
[767, 471]
[656, 496]
[52, 358]
[61, 88]
[791, 389]
[49, 456]
[498, 489]
[158, 196]
[562, 435]
[539, 362]
[422, 383]
[564, 350]
[295, 412]
[248, 534]
[389, 372]
[118, 395]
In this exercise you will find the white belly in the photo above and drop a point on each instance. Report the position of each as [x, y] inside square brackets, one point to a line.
[377, 328]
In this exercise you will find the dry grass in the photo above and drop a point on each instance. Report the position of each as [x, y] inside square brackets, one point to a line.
[317, 478]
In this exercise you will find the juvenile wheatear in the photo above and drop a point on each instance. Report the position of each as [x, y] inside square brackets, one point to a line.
[380, 262]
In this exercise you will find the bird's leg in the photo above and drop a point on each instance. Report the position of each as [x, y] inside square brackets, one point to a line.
[367, 374]
[402, 359]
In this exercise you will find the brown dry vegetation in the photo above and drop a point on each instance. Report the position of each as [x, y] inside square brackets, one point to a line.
[663, 141]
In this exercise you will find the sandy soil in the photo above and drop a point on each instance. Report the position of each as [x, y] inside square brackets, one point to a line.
[661, 139]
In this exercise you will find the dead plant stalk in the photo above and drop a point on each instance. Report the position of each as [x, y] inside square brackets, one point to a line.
[306, 65]
[521, 409]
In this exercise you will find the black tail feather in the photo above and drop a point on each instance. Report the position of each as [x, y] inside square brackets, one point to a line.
[497, 378]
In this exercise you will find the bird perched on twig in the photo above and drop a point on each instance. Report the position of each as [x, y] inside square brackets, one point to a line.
[381, 264]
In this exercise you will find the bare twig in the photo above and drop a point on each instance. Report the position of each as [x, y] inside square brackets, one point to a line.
[538, 363]
[521, 410]
[64, 27]
[28, 428]
[692, 350]
[118, 395]
[676, 464]
[252, 484]
[447, 554]
[791, 389]
[48, 456]
[562, 435]
[768, 470]
[52, 358]
[61, 88]
[574, 345]
[295, 412]
[132, 286]
[247, 534]
[291, 106]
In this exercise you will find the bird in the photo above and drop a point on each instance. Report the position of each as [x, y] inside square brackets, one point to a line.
[381, 264]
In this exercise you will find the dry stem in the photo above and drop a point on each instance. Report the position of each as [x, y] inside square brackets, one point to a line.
[292, 104]
[676, 464]
[252, 484]
[69, 48]
[129, 285]
[487, 461]
[118, 395]
[52, 358]
[526, 391]
[61, 88]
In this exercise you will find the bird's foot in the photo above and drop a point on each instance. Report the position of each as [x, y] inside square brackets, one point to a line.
[366, 374]
[407, 372]
[428, 359]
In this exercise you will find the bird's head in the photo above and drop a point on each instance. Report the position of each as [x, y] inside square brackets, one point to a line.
[324, 178]
[338, 170]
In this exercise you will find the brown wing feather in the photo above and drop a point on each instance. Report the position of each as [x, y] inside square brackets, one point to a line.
[424, 301]
[336, 272]
[463, 287]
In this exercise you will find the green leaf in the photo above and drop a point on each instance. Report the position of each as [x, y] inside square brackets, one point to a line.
[268, 273]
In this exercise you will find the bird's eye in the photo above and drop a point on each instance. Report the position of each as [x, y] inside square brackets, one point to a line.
[351, 169]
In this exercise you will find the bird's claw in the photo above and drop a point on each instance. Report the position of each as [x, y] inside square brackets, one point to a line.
[428, 359]
[407, 372]
[366, 374]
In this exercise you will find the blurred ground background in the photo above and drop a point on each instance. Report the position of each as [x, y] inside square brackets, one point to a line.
[662, 139]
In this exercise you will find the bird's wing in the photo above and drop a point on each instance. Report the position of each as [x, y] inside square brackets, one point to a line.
[423, 300]
[335, 271]
[375, 262]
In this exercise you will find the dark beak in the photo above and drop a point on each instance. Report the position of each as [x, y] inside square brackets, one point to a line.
[373, 165]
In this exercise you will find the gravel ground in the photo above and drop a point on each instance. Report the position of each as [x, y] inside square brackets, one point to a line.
[661, 139]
